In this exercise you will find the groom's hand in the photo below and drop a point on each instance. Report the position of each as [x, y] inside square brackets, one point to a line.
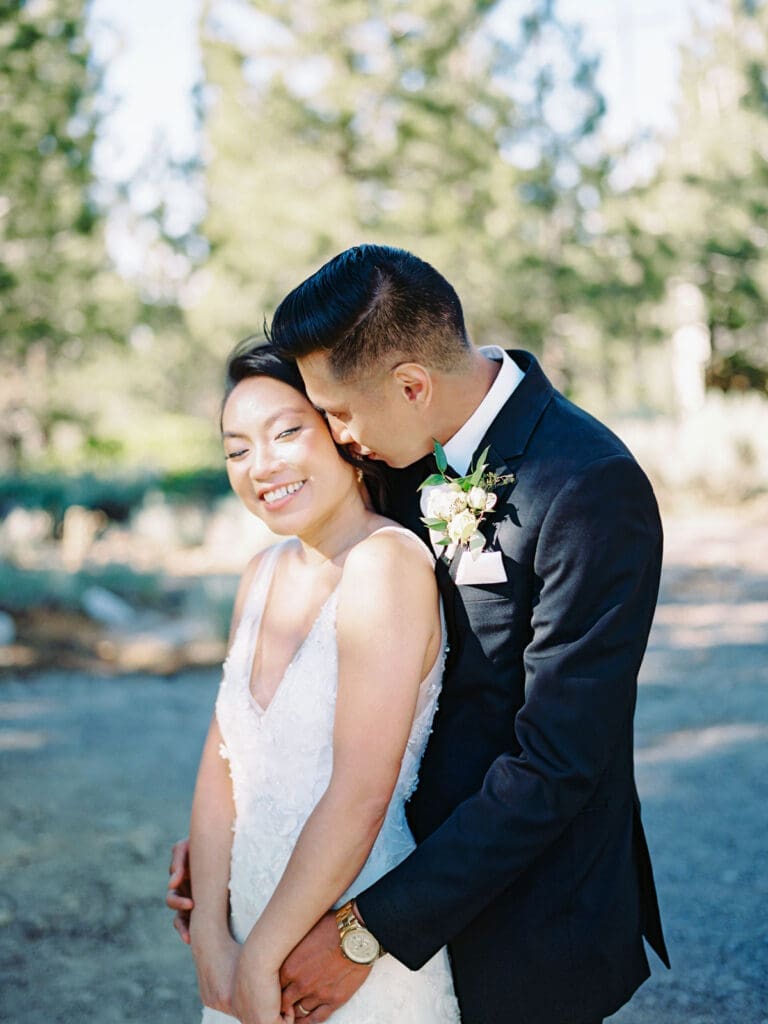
[179, 895]
[317, 974]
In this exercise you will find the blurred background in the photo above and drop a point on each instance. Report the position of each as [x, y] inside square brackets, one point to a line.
[593, 179]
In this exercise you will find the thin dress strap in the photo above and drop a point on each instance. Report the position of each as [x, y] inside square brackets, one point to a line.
[257, 594]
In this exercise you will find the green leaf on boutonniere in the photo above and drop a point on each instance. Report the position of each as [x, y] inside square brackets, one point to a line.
[443, 542]
[436, 524]
[477, 476]
[440, 457]
[476, 541]
[432, 481]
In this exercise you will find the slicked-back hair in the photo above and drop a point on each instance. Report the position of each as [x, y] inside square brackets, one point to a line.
[255, 357]
[368, 304]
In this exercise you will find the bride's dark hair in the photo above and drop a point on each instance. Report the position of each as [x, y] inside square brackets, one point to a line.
[254, 357]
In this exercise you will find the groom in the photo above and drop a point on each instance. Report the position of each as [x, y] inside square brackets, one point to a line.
[531, 862]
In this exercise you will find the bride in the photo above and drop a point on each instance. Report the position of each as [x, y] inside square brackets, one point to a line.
[325, 706]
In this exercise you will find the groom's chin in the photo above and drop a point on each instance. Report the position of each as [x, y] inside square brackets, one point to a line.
[379, 460]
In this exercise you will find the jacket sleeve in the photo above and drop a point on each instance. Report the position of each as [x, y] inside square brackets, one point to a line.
[596, 565]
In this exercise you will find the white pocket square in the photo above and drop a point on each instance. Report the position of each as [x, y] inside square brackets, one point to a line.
[485, 567]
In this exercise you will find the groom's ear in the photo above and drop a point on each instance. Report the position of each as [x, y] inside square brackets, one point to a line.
[414, 383]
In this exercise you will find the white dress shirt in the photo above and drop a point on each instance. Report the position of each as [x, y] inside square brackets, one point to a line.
[464, 443]
[486, 566]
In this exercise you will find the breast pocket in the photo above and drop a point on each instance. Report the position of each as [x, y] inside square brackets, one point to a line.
[482, 593]
[485, 623]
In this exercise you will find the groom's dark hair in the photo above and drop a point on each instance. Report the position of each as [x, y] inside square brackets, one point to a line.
[369, 301]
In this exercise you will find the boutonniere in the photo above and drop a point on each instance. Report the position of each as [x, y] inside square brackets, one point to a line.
[456, 506]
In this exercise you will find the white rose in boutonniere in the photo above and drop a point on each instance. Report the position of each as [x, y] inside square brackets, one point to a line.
[462, 527]
[456, 507]
[478, 499]
[445, 502]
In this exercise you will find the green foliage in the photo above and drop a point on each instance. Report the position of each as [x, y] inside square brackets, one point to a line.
[737, 372]
[24, 589]
[117, 496]
[199, 485]
[428, 126]
[55, 493]
[58, 296]
[705, 215]
[467, 132]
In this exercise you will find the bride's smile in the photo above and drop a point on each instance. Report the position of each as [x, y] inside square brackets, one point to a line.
[281, 492]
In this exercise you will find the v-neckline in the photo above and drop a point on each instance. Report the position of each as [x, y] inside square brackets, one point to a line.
[256, 636]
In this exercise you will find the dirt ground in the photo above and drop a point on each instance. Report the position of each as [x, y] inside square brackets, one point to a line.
[97, 774]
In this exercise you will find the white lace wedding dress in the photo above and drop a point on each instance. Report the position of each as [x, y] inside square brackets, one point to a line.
[280, 760]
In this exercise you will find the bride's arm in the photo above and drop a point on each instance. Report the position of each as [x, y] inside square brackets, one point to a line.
[213, 808]
[214, 950]
[387, 615]
[210, 838]
[210, 845]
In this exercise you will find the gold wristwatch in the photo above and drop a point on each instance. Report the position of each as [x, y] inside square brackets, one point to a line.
[357, 943]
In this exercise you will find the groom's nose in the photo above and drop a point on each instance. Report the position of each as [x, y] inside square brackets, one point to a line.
[360, 449]
[340, 431]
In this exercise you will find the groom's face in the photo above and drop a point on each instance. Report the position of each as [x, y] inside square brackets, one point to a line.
[371, 417]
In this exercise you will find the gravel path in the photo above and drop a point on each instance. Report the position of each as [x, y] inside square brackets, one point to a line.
[97, 776]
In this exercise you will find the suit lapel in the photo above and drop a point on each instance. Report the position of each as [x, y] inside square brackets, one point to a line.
[500, 465]
[510, 432]
[508, 436]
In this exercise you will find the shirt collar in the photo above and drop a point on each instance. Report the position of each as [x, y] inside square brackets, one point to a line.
[463, 445]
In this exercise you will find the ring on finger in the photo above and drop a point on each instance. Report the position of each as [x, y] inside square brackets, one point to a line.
[302, 1011]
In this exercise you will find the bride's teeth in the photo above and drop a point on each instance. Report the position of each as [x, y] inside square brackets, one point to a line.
[282, 492]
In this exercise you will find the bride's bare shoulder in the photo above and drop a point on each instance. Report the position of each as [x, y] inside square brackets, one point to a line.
[388, 589]
[388, 551]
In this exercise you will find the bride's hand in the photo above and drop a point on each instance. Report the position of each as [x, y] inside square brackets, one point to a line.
[257, 992]
[216, 956]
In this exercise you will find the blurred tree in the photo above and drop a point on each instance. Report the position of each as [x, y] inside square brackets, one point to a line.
[705, 216]
[463, 132]
[59, 298]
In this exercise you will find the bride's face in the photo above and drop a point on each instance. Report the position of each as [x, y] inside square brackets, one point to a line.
[281, 459]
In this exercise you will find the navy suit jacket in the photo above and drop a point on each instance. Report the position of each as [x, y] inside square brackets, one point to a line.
[531, 861]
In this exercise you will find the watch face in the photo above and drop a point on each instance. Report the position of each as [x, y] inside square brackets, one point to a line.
[360, 946]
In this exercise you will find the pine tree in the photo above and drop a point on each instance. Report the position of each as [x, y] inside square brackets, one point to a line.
[58, 296]
[459, 131]
[708, 206]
